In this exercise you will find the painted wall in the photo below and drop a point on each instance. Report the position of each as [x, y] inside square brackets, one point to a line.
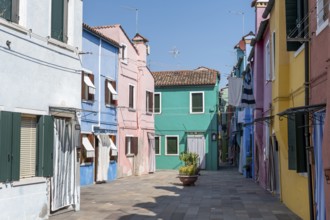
[287, 92]
[36, 73]
[175, 119]
[32, 201]
[132, 122]
[319, 87]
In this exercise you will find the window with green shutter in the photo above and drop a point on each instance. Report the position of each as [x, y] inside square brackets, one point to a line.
[59, 20]
[172, 145]
[157, 103]
[197, 102]
[10, 124]
[297, 143]
[9, 10]
[157, 145]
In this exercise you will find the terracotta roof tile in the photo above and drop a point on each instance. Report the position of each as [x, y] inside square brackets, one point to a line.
[185, 77]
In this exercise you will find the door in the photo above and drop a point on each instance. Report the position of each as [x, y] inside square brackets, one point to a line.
[196, 144]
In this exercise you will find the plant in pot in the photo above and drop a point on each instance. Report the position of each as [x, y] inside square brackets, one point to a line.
[188, 173]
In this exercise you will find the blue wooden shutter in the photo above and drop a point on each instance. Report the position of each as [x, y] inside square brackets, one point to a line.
[45, 146]
[10, 124]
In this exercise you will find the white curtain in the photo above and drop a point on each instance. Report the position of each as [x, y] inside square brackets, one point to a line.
[152, 154]
[196, 144]
[319, 175]
[103, 158]
[63, 187]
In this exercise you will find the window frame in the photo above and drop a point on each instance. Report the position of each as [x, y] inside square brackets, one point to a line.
[133, 107]
[322, 23]
[86, 96]
[131, 149]
[149, 106]
[191, 102]
[124, 53]
[14, 12]
[178, 149]
[160, 103]
[159, 145]
[108, 96]
[273, 58]
[267, 62]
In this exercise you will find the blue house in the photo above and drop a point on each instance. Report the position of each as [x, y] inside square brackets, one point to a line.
[98, 153]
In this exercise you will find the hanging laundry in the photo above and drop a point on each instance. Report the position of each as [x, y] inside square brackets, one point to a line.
[247, 95]
[235, 91]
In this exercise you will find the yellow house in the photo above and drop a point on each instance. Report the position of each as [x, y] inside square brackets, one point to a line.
[288, 91]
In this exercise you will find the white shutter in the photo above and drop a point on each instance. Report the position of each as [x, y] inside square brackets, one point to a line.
[28, 147]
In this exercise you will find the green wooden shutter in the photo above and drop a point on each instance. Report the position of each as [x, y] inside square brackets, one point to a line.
[292, 143]
[16, 145]
[45, 146]
[291, 23]
[301, 143]
[9, 145]
[57, 22]
[134, 145]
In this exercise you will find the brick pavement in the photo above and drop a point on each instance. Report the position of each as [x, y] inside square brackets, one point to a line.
[223, 194]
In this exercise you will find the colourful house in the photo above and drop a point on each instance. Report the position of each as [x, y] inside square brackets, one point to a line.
[136, 153]
[262, 59]
[186, 108]
[287, 28]
[98, 155]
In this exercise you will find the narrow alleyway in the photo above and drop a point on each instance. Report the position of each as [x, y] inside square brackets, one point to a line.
[223, 194]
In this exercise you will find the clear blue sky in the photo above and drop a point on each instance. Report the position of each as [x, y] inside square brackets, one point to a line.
[204, 32]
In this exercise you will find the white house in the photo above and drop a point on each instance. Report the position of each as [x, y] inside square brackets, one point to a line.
[40, 96]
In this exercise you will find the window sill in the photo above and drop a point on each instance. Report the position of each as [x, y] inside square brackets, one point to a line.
[29, 181]
[196, 113]
[61, 44]
[87, 164]
[301, 48]
[130, 155]
[131, 109]
[124, 61]
[14, 26]
[171, 154]
[157, 113]
[110, 106]
[149, 113]
[91, 102]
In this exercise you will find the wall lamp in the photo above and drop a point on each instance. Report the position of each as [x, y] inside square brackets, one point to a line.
[327, 175]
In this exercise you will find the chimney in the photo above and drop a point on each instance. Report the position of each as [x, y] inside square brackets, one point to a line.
[142, 47]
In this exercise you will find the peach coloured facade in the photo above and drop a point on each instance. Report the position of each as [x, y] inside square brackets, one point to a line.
[136, 122]
[319, 85]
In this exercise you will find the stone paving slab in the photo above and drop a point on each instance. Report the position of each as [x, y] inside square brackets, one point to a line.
[223, 194]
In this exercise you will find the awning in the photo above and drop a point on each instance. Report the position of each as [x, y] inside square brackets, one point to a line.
[304, 109]
[266, 119]
[88, 147]
[113, 91]
[90, 84]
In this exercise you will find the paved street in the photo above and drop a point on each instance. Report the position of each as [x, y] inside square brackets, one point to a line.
[223, 194]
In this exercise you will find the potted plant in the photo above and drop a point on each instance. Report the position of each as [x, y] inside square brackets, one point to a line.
[188, 173]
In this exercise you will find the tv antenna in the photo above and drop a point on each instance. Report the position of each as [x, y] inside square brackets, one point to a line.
[174, 52]
[136, 16]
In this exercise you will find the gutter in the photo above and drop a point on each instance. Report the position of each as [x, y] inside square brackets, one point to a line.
[262, 29]
[268, 8]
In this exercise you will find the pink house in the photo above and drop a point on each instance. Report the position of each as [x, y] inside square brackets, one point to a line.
[136, 152]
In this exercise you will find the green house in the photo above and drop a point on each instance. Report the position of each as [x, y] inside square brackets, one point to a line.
[185, 108]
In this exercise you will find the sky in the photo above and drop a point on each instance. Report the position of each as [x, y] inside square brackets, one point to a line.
[182, 34]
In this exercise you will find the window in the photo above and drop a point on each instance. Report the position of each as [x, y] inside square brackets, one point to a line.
[87, 87]
[197, 102]
[295, 23]
[296, 143]
[322, 14]
[267, 62]
[273, 55]
[149, 102]
[9, 10]
[157, 145]
[59, 20]
[157, 103]
[123, 53]
[131, 145]
[131, 98]
[28, 146]
[172, 145]
[111, 94]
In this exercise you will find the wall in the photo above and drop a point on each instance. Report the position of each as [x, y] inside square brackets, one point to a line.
[176, 120]
[287, 92]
